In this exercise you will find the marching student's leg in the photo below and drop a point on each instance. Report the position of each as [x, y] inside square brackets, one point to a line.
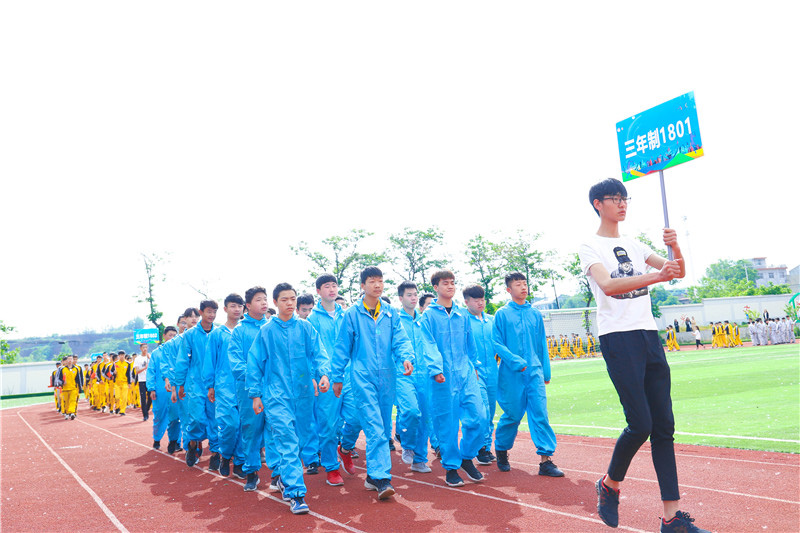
[371, 416]
[409, 415]
[328, 407]
[473, 419]
[446, 411]
[421, 442]
[285, 436]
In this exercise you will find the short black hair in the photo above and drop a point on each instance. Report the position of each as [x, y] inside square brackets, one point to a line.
[169, 328]
[251, 293]
[473, 291]
[190, 311]
[327, 277]
[401, 289]
[425, 297]
[65, 358]
[233, 298]
[205, 304]
[271, 311]
[305, 299]
[607, 187]
[514, 276]
[98, 357]
[386, 299]
[440, 275]
[340, 297]
[121, 352]
[371, 272]
[279, 288]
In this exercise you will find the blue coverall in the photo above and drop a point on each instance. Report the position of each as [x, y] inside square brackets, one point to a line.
[520, 341]
[217, 375]
[163, 404]
[192, 353]
[373, 348]
[450, 350]
[281, 364]
[413, 409]
[487, 373]
[169, 352]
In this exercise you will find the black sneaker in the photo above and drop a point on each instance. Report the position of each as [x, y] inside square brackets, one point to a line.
[312, 469]
[391, 445]
[224, 467]
[156, 445]
[485, 457]
[682, 523]
[471, 471]
[548, 468]
[252, 482]
[502, 461]
[453, 479]
[122, 414]
[382, 486]
[172, 446]
[238, 471]
[607, 504]
[213, 463]
[191, 454]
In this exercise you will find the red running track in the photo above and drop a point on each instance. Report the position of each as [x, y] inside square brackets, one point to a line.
[99, 473]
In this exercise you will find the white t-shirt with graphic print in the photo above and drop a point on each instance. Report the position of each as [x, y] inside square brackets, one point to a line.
[622, 257]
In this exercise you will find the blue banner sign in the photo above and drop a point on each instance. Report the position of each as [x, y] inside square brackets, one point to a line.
[145, 336]
[661, 137]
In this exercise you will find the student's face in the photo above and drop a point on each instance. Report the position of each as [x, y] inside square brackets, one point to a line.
[169, 335]
[304, 310]
[446, 288]
[518, 289]
[475, 305]
[209, 314]
[409, 298]
[182, 325]
[259, 304]
[286, 303]
[424, 305]
[373, 287]
[234, 311]
[143, 349]
[329, 291]
[343, 303]
[611, 211]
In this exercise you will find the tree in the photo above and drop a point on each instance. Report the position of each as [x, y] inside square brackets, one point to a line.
[521, 256]
[486, 259]
[151, 264]
[412, 255]
[573, 267]
[7, 355]
[340, 256]
[728, 270]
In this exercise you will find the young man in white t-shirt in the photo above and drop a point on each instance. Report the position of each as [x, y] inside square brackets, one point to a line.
[140, 368]
[616, 268]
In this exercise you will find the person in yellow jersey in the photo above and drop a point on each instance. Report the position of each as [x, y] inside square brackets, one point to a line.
[577, 345]
[728, 334]
[737, 336]
[122, 381]
[87, 387]
[70, 379]
[94, 382]
[672, 343]
[714, 336]
[56, 389]
[107, 379]
[590, 345]
[133, 390]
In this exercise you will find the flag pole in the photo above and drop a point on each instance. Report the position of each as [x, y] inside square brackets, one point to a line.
[666, 213]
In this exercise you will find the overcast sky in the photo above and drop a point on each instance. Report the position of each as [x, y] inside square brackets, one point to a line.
[222, 133]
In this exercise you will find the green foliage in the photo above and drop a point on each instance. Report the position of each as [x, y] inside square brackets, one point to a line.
[791, 311]
[573, 268]
[660, 296]
[152, 263]
[491, 307]
[413, 256]
[7, 355]
[726, 270]
[521, 255]
[752, 314]
[486, 260]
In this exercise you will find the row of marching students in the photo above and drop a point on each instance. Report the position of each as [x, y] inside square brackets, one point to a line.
[565, 347]
[305, 389]
[107, 384]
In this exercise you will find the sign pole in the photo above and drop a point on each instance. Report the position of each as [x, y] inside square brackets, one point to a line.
[666, 213]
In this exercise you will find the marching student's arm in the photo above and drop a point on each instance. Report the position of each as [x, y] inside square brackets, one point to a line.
[182, 363]
[342, 353]
[402, 350]
[209, 369]
[319, 359]
[499, 333]
[236, 358]
[544, 357]
[256, 363]
[432, 353]
[59, 378]
[472, 348]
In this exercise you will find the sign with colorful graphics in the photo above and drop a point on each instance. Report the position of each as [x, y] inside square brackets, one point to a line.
[145, 336]
[659, 138]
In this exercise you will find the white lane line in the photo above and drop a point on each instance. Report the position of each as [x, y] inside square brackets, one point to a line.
[229, 479]
[748, 495]
[683, 433]
[93, 494]
[512, 502]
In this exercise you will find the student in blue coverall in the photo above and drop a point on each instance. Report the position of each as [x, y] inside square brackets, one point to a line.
[189, 319]
[413, 409]
[481, 323]
[282, 364]
[372, 340]
[521, 344]
[455, 395]
[162, 422]
[218, 380]
[199, 412]
[254, 431]
[326, 317]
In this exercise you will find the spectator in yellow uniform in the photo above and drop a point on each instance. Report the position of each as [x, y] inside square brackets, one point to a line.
[728, 333]
[590, 345]
[94, 382]
[133, 390]
[56, 389]
[672, 343]
[737, 336]
[122, 380]
[577, 345]
[70, 379]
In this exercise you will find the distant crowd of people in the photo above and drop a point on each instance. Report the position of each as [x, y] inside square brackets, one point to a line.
[726, 334]
[566, 347]
[771, 331]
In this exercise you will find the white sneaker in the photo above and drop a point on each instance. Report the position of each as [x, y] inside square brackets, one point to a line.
[408, 456]
[422, 468]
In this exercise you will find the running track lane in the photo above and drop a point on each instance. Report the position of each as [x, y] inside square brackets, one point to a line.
[161, 493]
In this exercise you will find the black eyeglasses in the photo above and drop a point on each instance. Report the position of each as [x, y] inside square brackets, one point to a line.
[617, 199]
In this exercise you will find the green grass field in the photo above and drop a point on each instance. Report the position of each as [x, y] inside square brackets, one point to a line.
[734, 398]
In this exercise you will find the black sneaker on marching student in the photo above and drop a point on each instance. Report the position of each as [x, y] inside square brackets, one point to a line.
[453, 479]
[391, 445]
[608, 504]
[238, 471]
[549, 468]
[191, 454]
[122, 414]
[172, 446]
[312, 469]
[382, 486]
[472, 473]
[156, 445]
[213, 462]
[252, 482]
[681, 523]
[225, 467]
[485, 457]
[502, 461]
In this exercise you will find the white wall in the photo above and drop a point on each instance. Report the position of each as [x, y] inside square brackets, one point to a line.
[27, 378]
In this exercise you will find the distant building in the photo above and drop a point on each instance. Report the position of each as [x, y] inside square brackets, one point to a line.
[794, 279]
[775, 274]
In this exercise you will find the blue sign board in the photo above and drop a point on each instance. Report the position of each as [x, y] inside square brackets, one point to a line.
[145, 336]
[661, 137]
